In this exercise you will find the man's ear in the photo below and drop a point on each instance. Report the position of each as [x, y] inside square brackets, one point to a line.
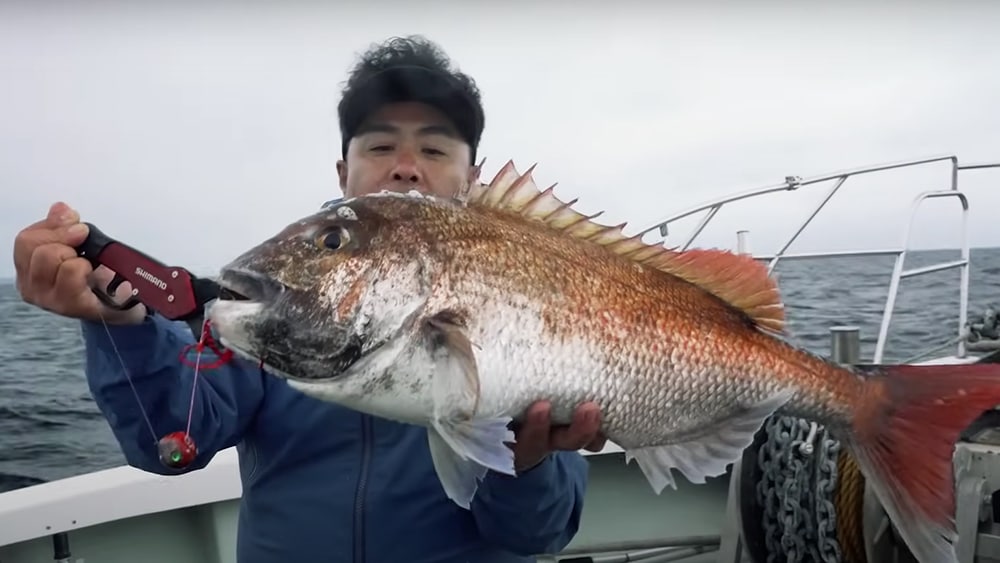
[342, 174]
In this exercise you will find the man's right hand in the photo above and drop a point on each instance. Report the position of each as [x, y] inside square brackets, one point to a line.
[52, 276]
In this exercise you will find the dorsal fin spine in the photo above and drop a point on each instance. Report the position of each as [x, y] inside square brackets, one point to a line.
[510, 194]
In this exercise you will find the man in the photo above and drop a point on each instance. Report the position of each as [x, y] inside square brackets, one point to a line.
[320, 482]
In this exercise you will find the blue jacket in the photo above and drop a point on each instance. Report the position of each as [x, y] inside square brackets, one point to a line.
[322, 483]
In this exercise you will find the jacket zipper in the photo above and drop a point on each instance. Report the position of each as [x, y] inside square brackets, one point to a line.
[359, 493]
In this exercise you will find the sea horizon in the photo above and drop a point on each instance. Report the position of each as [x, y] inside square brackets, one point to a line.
[204, 272]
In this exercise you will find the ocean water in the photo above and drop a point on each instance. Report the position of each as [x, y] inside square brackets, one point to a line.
[50, 427]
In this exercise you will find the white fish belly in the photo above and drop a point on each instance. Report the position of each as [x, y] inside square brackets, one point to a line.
[644, 401]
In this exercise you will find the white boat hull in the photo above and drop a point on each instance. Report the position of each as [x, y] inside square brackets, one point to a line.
[126, 515]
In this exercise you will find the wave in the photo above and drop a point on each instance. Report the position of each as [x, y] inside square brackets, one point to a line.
[13, 481]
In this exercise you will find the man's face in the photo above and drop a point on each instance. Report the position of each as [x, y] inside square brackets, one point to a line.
[406, 146]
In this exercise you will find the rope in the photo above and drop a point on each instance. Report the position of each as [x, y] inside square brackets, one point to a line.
[964, 335]
[984, 327]
[849, 500]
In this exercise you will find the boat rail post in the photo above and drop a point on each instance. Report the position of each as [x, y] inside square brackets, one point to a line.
[731, 549]
[60, 547]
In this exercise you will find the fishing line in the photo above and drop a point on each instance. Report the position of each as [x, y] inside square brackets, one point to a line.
[180, 296]
[135, 392]
[176, 450]
[197, 370]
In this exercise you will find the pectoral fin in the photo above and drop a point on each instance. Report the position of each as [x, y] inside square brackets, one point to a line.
[707, 454]
[459, 476]
[456, 375]
[462, 446]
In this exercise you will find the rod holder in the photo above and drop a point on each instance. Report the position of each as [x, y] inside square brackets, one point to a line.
[742, 244]
[845, 344]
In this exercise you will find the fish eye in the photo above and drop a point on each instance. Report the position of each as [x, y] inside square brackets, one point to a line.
[333, 239]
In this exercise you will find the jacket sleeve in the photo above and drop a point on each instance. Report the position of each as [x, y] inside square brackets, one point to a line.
[536, 512]
[225, 402]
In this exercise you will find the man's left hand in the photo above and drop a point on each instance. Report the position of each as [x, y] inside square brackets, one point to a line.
[537, 438]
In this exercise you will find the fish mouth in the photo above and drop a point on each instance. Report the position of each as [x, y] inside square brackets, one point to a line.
[261, 318]
[292, 364]
[245, 285]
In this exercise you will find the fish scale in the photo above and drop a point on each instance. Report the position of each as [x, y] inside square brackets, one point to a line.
[458, 314]
[620, 366]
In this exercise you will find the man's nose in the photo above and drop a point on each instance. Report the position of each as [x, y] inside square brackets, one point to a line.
[405, 168]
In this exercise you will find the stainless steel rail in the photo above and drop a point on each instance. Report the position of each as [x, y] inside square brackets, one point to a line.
[793, 183]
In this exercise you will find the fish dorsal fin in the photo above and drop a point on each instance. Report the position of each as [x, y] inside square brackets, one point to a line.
[738, 280]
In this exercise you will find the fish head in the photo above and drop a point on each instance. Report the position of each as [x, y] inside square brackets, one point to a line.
[311, 301]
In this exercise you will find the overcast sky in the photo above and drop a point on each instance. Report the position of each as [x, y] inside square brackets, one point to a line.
[194, 133]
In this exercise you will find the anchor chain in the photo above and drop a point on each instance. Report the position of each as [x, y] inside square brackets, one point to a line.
[798, 464]
[825, 480]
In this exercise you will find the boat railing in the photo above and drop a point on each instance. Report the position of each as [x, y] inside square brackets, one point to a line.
[794, 183]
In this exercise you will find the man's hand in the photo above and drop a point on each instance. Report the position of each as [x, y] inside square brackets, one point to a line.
[51, 276]
[537, 438]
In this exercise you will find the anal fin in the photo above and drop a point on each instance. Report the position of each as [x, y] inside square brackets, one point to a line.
[710, 452]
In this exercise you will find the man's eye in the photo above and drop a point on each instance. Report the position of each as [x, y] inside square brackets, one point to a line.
[434, 152]
[382, 148]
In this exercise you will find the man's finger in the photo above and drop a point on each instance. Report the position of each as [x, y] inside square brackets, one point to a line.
[532, 439]
[44, 265]
[48, 230]
[62, 214]
[71, 283]
[571, 438]
[584, 429]
[588, 418]
[535, 428]
[58, 215]
[597, 444]
[25, 244]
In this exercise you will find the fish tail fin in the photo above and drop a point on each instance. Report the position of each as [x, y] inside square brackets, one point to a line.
[903, 435]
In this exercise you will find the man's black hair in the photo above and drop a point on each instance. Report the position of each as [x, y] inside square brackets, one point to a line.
[410, 69]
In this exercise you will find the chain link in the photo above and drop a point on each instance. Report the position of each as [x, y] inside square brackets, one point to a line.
[798, 462]
[826, 487]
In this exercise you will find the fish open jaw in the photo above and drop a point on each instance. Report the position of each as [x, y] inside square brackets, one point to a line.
[227, 294]
[244, 285]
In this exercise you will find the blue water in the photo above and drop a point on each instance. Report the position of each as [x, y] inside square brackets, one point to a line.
[50, 428]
